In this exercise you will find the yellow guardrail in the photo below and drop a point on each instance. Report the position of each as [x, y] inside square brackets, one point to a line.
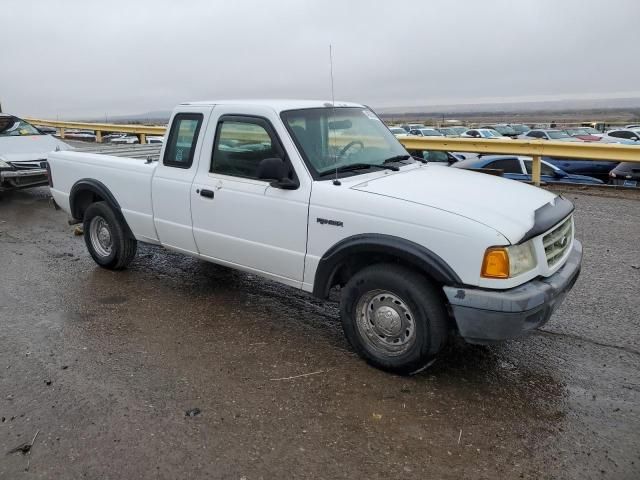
[531, 148]
[99, 128]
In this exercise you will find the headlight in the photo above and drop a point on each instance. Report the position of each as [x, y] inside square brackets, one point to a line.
[506, 262]
[4, 164]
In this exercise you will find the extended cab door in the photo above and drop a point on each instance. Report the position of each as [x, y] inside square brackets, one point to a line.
[239, 219]
[172, 179]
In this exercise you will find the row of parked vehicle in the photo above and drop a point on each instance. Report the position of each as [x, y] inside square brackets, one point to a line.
[116, 137]
[630, 134]
[519, 168]
[553, 170]
[23, 150]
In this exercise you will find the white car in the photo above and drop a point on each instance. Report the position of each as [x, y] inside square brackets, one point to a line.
[399, 132]
[483, 133]
[426, 132]
[23, 153]
[153, 140]
[548, 134]
[420, 252]
[84, 135]
[125, 139]
[623, 135]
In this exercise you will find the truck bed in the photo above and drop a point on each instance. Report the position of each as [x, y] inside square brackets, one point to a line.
[124, 170]
[144, 152]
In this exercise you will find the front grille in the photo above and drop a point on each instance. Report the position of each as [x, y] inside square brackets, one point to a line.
[30, 165]
[557, 241]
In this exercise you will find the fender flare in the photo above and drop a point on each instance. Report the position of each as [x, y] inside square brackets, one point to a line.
[100, 189]
[421, 257]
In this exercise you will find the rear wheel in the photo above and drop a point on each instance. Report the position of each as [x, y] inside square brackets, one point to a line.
[394, 318]
[106, 237]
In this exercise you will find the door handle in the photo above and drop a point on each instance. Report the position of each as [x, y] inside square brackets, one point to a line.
[206, 193]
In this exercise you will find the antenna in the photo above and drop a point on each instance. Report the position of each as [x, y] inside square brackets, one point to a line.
[333, 98]
[333, 111]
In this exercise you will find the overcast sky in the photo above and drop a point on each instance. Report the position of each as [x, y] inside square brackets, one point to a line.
[86, 58]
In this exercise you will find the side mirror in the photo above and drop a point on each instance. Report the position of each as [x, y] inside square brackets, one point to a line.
[271, 169]
[559, 174]
[275, 169]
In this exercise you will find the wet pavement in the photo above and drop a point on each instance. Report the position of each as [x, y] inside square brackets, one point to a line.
[106, 365]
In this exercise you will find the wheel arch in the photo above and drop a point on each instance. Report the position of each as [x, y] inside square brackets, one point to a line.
[353, 253]
[87, 191]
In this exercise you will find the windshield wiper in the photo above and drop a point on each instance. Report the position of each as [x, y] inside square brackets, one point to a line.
[358, 166]
[396, 158]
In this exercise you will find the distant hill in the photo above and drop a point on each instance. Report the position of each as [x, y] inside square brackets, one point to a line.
[546, 106]
[159, 116]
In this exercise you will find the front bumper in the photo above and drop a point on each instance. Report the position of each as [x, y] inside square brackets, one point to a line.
[11, 179]
[488, 316]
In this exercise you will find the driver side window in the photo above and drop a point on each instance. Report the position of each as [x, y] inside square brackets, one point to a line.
[240, 146]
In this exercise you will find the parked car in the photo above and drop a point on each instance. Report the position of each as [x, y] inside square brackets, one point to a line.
[520, 168]
[160, 140]
[593, 168]
[419, 252]
[437, 157]
[634, 126]
[503, 129]
[520, 128]
[125, 139]
[23, 153]
[548, 134]
[426, 132]
[411, 126]
[110, 136]
[586, 134]
[482, 133]
[631, 135]
[626, 174]
[452, 131]
[84, 135]
[47, 130]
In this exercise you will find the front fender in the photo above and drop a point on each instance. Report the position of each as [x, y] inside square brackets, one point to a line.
[407, 251]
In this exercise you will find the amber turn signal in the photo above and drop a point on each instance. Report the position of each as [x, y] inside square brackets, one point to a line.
[495, 263]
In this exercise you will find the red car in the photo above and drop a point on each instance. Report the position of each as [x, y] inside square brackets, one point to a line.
[586, 134]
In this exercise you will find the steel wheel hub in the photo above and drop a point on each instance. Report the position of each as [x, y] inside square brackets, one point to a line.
[385, 323]
[100, 236]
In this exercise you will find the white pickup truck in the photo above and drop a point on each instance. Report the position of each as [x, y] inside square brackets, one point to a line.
[318, 195]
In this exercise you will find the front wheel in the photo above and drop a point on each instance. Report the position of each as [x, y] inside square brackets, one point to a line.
[106, 238]
[394, 318]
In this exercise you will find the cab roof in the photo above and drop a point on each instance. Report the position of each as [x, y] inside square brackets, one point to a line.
[278, 105]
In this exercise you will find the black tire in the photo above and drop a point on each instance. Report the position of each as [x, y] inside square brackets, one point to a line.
[122, 248]
[418, 307]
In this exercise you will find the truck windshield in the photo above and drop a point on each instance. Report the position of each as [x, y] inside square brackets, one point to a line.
[11, 126]
[331, 138]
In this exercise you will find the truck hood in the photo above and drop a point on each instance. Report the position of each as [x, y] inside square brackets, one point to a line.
[29, 147]
[505, 205]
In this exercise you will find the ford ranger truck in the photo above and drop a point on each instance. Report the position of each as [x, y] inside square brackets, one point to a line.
[317, 195]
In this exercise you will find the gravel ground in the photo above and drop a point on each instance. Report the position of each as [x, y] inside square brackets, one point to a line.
[105, 365]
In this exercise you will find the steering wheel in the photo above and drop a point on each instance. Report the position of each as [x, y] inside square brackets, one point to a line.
[350, 145]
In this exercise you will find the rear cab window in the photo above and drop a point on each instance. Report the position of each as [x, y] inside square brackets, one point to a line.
[182, 140]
